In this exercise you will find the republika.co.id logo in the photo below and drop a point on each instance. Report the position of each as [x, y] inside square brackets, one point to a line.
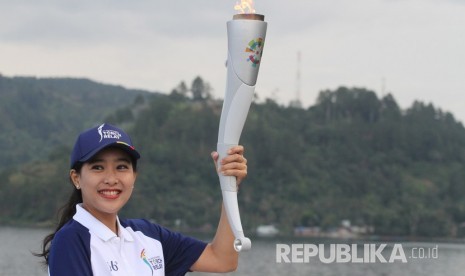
[351, 253]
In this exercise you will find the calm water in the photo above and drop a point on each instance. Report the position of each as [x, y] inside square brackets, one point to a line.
[17, 243]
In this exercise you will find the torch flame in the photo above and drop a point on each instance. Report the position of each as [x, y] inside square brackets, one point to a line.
[245, 6]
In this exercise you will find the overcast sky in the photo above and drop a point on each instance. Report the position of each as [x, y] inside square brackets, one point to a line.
[415, 49]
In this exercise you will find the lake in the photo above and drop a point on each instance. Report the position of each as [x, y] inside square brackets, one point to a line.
[441, 259]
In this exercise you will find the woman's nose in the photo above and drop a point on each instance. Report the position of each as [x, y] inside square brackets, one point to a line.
[111, 178]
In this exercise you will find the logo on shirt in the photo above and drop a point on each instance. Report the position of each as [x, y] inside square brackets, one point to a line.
[113, 265]
[154, 263]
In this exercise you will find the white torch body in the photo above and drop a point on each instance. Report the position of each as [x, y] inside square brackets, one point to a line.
[246, 37]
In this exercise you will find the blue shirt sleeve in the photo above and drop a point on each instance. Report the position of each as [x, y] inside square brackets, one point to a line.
[180, 252]
[70, 251]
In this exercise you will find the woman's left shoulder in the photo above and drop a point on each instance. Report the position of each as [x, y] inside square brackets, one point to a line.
[139, 224]
[151, 229]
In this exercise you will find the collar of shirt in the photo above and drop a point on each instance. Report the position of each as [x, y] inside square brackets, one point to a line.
[98, 228]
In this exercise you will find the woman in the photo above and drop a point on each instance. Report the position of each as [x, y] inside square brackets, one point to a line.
[91, 239]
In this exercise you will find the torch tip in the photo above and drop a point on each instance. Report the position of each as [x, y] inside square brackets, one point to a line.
[249, 16]
[241, 244]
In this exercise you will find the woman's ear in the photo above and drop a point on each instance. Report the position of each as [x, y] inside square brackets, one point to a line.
[74, 176]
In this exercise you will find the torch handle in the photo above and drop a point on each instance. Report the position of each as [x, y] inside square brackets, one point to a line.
[228, 183]
[232, 212]
[229, 192]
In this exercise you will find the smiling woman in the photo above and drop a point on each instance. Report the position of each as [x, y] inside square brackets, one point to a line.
[106, 182]
[91, 239]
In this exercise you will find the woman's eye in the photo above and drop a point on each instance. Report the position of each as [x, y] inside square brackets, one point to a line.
[123, 167]
[97, 167]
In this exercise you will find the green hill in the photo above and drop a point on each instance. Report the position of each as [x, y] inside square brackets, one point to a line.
[38, 115]
[350, 156]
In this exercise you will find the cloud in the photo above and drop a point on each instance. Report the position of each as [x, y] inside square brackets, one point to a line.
[415, 45]
[97, 21]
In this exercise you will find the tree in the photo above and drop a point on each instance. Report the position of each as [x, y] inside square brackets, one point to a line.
[180, 90]
[200, 89]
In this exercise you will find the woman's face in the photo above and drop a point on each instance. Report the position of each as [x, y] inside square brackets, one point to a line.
[106, 182]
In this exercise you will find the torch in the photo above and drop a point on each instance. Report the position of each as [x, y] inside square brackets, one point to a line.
[246, 37]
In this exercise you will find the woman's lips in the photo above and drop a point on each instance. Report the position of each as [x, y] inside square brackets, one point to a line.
[109, 194]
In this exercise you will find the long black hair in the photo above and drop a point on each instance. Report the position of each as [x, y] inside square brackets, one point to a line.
[67, 211]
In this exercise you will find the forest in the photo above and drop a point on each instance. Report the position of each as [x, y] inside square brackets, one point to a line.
[351, 156]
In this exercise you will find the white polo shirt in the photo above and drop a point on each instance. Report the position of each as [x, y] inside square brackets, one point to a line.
[85, 246]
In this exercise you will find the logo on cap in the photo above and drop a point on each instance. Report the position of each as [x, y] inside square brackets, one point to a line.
[108, 133]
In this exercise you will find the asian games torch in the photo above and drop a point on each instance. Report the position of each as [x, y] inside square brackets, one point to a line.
[246, 37]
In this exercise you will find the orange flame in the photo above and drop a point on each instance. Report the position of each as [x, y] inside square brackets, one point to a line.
[245, 6]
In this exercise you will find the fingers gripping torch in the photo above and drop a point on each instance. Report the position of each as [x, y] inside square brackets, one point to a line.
[246, 37]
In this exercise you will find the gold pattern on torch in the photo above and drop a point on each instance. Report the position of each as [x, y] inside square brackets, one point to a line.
[245, 6]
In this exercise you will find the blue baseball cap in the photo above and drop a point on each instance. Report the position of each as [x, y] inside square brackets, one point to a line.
[91, 141]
